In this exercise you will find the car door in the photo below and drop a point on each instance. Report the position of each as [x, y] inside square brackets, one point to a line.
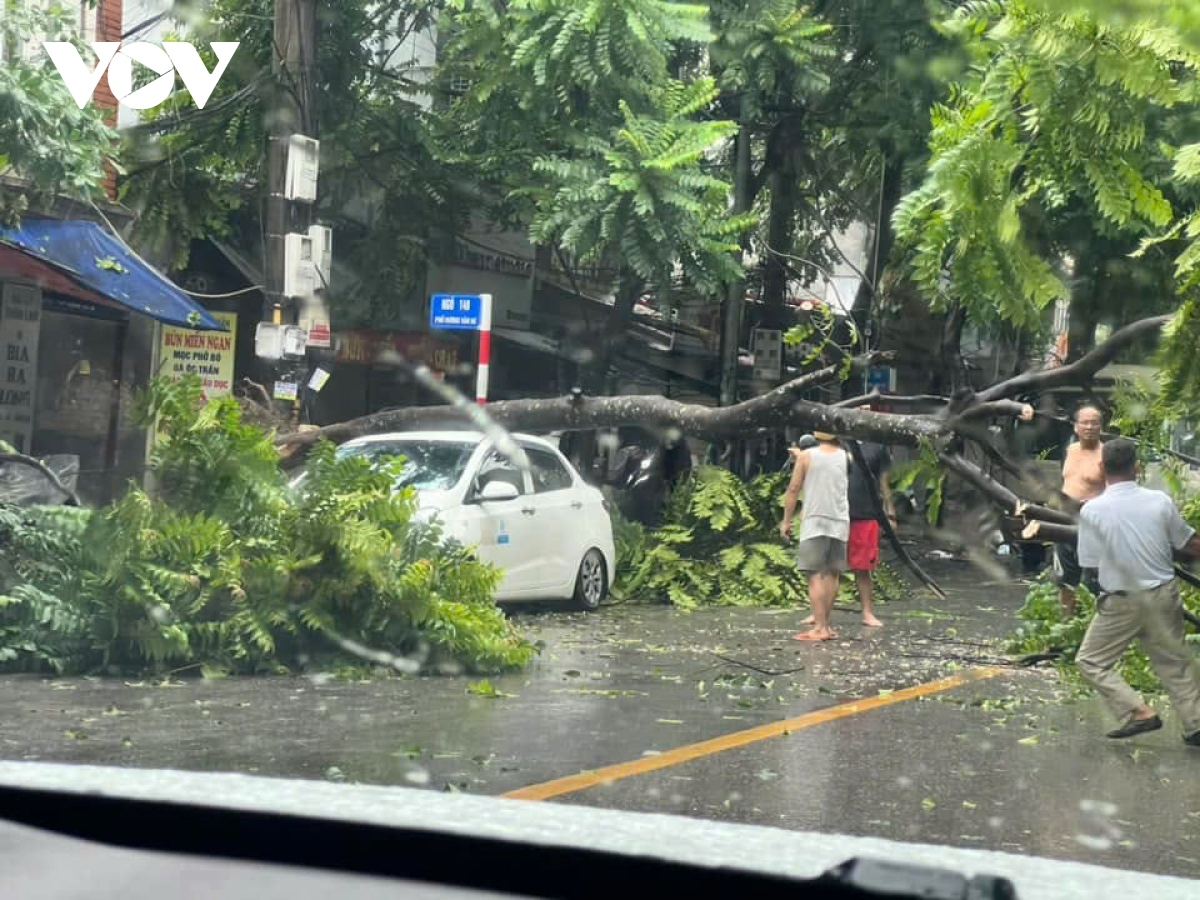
[558, 513]
[503, 530]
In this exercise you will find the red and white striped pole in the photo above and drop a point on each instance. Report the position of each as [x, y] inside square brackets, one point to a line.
[485, 348]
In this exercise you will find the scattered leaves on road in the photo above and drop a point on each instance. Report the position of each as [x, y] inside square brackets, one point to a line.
[485, 688]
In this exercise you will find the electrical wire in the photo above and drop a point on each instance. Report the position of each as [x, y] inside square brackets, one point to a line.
[164, 278]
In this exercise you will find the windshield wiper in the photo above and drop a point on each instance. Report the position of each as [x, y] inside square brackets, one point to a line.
[875, 876]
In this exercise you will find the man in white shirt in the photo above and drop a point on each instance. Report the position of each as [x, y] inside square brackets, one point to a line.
[1130, 535]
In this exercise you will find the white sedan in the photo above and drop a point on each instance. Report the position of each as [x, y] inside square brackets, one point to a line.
[544, 528]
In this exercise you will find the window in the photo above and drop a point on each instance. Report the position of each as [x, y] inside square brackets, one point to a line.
[428, 465]
[548, 473]
[497, 467]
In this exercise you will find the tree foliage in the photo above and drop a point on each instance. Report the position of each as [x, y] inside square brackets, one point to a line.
[48, 141]
[575, 117]
[719, 544]
[226, 567]
[1059, 108]
[203, 173]
[643, 194]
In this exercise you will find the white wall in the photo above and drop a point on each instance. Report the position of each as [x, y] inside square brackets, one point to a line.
[136, 12]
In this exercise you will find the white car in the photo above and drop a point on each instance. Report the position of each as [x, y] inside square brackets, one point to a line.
[545, 529]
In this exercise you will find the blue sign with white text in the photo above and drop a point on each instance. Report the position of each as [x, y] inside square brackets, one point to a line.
[456, 312]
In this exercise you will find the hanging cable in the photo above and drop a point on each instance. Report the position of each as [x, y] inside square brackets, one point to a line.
[134, 254]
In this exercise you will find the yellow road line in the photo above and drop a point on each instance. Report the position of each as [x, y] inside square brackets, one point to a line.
[572, 783]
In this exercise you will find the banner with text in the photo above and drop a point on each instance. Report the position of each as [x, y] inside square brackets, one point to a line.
[20, 325]
[206, 354]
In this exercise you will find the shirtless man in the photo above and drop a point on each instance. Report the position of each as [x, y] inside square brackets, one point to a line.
[1083, 480]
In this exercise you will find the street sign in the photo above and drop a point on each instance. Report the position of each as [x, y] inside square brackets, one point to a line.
[467, 312]
[456, 312]
[881, 378]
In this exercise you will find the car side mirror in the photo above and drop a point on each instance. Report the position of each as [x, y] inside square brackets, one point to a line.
[498, 490]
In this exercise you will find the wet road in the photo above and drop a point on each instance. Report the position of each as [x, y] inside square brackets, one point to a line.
[1005, 762]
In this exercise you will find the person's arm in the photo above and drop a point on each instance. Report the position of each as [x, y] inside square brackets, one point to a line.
[885, 494]
[1089, 544]
[793, 493]
[1183, 537]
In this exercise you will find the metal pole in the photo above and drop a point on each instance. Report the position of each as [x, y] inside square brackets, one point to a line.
[485, 348]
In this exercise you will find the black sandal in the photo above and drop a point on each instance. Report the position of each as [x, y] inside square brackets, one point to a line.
[1136, 726]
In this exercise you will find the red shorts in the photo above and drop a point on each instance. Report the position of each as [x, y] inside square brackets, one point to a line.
[862, 550]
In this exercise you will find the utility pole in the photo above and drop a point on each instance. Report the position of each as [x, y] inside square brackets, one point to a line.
[291, 113]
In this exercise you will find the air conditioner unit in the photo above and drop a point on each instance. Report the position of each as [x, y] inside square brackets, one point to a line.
[303, 162]
[322, 249]
[299, 273]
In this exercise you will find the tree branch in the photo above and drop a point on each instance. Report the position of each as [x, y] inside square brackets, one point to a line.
[1012, 504]
[22, 460]
[1079, 372]
[876, 396]
[773, 410]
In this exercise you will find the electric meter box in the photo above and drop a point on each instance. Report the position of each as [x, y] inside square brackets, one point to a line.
[303, 161]
[322, 254]
[299, 274]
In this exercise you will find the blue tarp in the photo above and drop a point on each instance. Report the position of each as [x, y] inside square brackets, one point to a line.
[97, 259]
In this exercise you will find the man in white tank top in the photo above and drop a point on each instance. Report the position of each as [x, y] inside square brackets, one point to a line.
[822, 473]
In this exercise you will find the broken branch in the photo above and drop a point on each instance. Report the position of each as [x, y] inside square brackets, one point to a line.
[773, 410]
[1079, 372]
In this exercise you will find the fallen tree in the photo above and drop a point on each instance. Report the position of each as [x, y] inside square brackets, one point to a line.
[944, 423]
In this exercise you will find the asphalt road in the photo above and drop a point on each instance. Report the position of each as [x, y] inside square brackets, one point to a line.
[916, 732]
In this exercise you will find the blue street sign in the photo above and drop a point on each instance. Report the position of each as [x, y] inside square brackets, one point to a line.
[881, 378]
[456, 312]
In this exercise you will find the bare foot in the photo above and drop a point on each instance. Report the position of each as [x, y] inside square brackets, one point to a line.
[811, 620]
[816, 634]
[870, 621]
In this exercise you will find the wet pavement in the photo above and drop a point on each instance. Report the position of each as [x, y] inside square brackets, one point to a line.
[1008, 763]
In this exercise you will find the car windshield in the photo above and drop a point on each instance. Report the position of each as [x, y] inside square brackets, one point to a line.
[758, 367]
[428, 465]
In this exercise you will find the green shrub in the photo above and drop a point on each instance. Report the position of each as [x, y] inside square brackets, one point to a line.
[226, 568]
[1043, 629]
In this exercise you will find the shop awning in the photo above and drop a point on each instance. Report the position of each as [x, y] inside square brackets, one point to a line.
[97, 260]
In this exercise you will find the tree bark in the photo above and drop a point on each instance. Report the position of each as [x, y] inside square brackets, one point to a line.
[629, 288]
[781, 184]
[732, 319]
[948, 427]
[881, 243]
[1080, 372]
[771, 411]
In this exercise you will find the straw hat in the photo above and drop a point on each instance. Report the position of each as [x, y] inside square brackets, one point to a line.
[824, 436]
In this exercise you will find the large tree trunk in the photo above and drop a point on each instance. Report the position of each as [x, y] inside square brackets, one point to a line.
[629, 288]
[949, 374]
[957, 421]
[781, 184]
[732, 318]
[882, 241]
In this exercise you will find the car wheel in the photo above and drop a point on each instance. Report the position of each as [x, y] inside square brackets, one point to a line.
[591, 584]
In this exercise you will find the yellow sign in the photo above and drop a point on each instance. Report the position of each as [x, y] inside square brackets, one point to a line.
[206, 354]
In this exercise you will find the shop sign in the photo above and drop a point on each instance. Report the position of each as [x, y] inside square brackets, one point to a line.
[20, 326]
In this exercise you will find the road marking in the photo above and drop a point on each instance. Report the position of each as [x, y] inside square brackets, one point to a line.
[569, 785]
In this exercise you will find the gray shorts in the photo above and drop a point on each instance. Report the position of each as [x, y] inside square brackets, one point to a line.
[821, 554]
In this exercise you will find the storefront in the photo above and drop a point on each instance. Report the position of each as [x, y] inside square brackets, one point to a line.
[80, 321]
[371, 371]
